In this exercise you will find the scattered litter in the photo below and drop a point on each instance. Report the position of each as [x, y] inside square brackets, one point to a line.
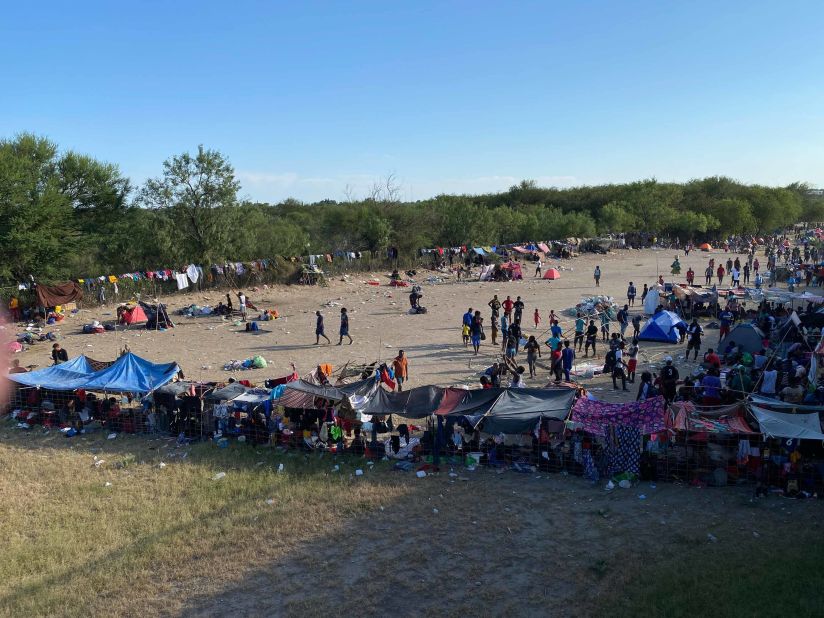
[435, 511]
[642, 497]
[218, 476]
[99, 462]
[107, 484]
[280, 468]
[712, 538]
[111, 436]
[358, 472]
[161, 465]
[420, 474]
[270, 501]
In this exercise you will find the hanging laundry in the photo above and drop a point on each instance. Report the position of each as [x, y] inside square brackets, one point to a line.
[182, 281]
[193, 273]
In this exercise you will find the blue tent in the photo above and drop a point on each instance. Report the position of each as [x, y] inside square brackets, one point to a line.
[66, 376]
[662, 327]
[128, 374]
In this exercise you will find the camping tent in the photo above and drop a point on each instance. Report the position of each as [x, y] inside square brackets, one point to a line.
[662, 327]
[748, 336]
[552, 273]
[133, 315]
[706, 247]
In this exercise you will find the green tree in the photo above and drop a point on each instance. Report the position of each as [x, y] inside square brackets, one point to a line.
[197, 193]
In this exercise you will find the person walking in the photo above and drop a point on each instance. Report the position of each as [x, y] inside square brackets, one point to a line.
[604, 326]
[344, 326]
[694, 342]
[597, 276]
[669, 380]
[401, 367]
[708, 275]
[636, 325]
[319, 329]
[518, 306]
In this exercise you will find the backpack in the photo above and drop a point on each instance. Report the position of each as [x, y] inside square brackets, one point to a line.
[609, 361]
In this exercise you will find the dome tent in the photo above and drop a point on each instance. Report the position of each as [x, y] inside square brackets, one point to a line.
[706, 247]
[662, 327]
[552, 273]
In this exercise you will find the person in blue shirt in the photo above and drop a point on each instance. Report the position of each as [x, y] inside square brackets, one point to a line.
[726, 318]
[467, 317]
[554, 343]
[711, 385]
[556, 330]
[580, 327]
[567, 359]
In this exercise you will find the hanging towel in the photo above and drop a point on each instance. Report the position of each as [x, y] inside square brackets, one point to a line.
[193, 273]
[182, 281]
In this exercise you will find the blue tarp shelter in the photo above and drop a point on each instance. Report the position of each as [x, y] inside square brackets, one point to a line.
[479, 250]
[662, 327]
[67, 376]
[128, 374]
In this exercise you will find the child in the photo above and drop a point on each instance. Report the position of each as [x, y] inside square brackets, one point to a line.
[632, 362]
[537, 317]
[465, 334]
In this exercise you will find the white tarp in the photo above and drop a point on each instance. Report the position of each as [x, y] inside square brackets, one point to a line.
[781, 425]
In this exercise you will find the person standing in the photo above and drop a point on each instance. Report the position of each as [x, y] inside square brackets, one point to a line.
[537, 317]
[618, 369]
[644, 293]
[597, 276]
[533, 353]
[504, 330]
[623, 319]
[580, 327]
[591, 338]
[538, 266]
[14, 309]
[507, 306]
[632, 359]
[746, 272]
[708, 275]
[669, 380]
[495, 305]
[515, 331]
[720, 272]
[344, 326]
[319, 329]
[631, 291]
[694, 342]
[241, 299]
[636, 325]
[604, 326]
[567, 359]
[518, 305]
[401, 367]
[476, 331]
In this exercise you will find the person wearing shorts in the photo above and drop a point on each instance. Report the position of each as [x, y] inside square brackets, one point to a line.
[580, 327]
[344, 326]
[591, 338]
[694, 342]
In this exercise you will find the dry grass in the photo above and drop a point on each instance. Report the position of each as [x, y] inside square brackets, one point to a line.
[73, 546]
[172, 541]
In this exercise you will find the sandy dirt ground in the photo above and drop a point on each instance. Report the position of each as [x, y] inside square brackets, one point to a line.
[508, 544]
[379, 324]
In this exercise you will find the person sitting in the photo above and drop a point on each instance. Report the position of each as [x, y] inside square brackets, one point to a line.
[793, 393]
[59, 355]
[732, 353]
[16, 368]
[711, 387]
[711, 359]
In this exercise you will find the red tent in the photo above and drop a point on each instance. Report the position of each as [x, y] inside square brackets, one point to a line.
[706, 247]
[552, 273]
[133, 315]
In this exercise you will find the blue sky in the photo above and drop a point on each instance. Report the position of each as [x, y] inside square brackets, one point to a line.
[306, 98]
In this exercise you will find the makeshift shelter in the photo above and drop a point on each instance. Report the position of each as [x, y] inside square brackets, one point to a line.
[67, 376]
[132, 374]
[783, 425]
[543, 247]
[53, 295]
[662, 327]
[157, 316]
[722, 420]
[748, 336]
[706, 247]
[652, 300]
[552, 274]
[133, 315]
[596, 417]
[504, 410]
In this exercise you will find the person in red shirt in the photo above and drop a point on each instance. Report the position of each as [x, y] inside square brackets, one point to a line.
[507, 305]
[720, 272]
[712, 359]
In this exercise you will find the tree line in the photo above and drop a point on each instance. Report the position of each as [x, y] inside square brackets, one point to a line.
[64, 214]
